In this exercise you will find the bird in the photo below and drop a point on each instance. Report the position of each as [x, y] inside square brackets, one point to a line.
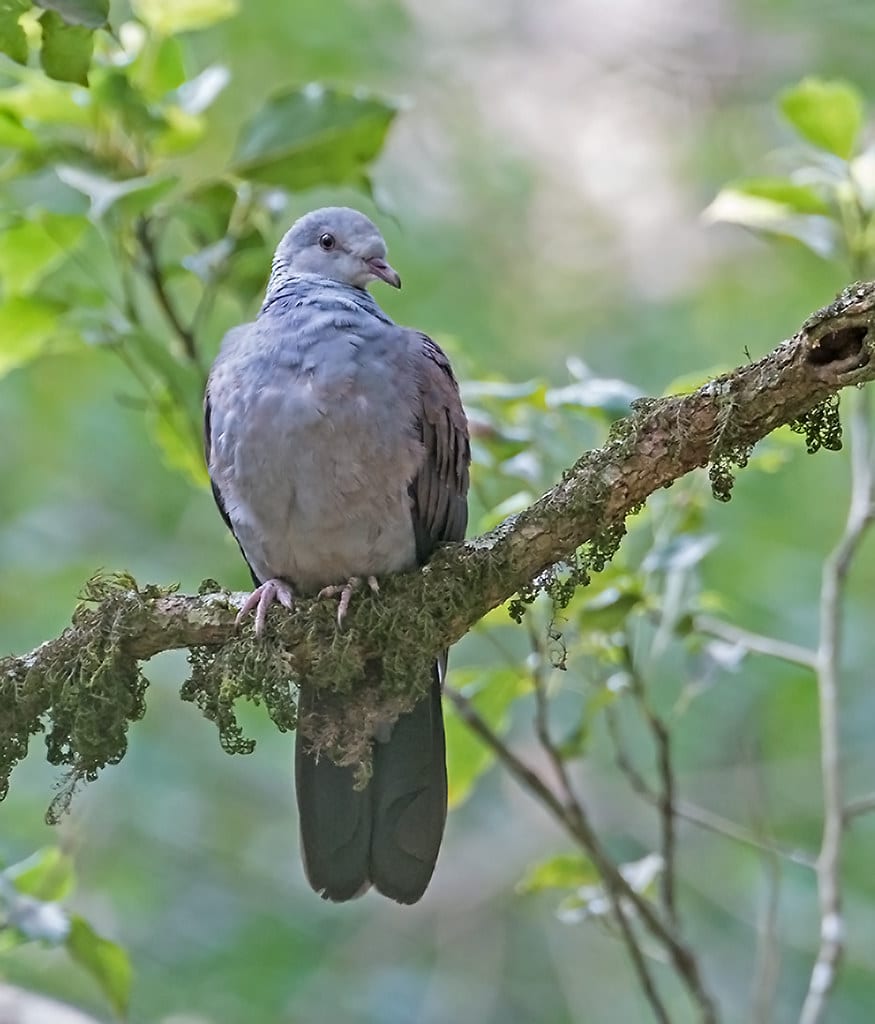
[338, 452]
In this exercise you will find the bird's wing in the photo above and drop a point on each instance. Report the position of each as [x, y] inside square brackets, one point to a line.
[217, 494]
[439, 491]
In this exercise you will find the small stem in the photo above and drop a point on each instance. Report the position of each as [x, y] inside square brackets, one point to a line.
[576, 823]
[835, 572]
[665, 796]
[755, 642]
[156, 279]
[858, 807]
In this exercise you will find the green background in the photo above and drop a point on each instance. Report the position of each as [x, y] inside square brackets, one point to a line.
[541, 196]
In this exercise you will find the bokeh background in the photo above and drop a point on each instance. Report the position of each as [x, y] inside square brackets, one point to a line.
[541, 194]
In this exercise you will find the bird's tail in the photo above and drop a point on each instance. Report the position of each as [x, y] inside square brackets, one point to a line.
[389, 833]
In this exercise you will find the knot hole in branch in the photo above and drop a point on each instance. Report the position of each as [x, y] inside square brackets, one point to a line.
[845, 345]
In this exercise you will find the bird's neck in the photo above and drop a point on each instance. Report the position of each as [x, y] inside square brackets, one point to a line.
[297, 290]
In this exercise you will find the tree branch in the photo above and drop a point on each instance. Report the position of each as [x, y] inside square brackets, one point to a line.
[659, 442]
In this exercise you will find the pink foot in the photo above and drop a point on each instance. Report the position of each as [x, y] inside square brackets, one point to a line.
[345, 591]
[262, 598]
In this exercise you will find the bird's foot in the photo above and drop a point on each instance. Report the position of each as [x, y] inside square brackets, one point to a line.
[345, 592]
[262, 598]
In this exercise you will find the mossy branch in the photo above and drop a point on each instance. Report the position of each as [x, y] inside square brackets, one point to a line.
[86, 685]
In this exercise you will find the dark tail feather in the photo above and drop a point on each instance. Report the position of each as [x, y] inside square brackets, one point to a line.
[409, 801]
[389, 833]
[335, 826]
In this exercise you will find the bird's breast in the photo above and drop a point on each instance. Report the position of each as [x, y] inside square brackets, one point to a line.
[314, 464]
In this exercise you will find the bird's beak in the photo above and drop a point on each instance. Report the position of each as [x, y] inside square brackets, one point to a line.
[382, 270]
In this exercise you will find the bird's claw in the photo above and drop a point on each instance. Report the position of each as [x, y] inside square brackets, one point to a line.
[262, 598]
[345, 592]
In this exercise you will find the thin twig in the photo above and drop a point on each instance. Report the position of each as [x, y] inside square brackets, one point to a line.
[768, 954]
[768, 959]
[835, 572]
[156, 280]
[530, 780]
[755, 643]
[696, 815]
[858, 807]
[716, 823]
[576, 823]
[665, 796]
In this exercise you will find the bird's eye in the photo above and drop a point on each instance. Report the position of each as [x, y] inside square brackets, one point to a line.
[327, 242]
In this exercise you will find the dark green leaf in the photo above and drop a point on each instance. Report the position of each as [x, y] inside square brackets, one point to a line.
[114, 92]
[47, 875]
[13, 41]
[827, 113]
[88, 13]
[207, 210]
[312, 136]
[565, 871]
[609, 610]
[105, 961]
[67, 49]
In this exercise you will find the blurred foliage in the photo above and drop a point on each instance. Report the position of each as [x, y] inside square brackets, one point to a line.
[134, 230]
[30, 898]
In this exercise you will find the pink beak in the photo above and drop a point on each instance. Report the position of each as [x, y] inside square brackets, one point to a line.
[382, 270]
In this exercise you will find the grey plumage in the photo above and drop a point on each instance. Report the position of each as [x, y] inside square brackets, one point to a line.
[337, 447]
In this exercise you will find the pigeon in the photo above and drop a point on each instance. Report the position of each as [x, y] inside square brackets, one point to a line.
[338, 452]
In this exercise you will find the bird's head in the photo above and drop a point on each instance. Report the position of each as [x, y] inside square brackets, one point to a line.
[338, 243]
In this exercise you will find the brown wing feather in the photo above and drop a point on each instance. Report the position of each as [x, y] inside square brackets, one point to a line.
[439, 492]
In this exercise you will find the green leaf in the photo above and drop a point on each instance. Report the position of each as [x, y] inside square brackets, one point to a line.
[89, 13]
[42, 99]
[105, 961]
[793, 197]
[207, 210]
[114, 92]
[492, 692]
[818, 233]
[14, 135]
[158, 68]
[565, 871]
[31, 249]
[47, 875]
[312, 136]
[826, 113]
[132, 195]
[199, 93]
[168, 17]
[13, 40]
[181, 450]
[609, 610]
[67, 49]
[28, 328]
[597, 394]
